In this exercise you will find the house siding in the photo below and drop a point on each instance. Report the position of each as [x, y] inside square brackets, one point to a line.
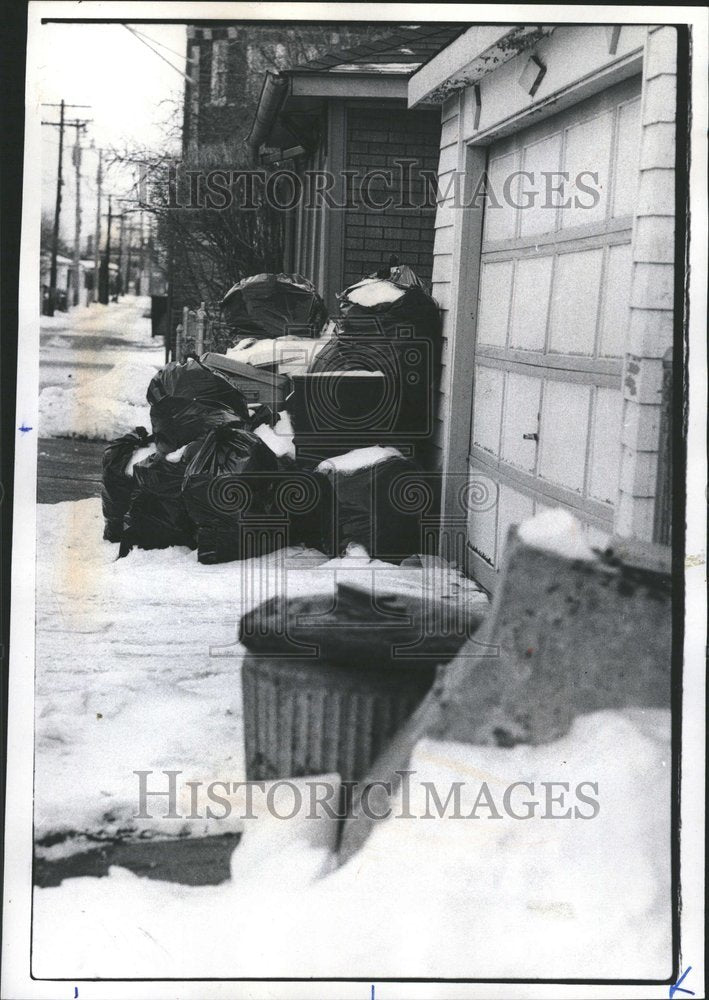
[652, 288]
[443, 259]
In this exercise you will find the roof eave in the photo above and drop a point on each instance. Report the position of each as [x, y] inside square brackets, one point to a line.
[468, 58]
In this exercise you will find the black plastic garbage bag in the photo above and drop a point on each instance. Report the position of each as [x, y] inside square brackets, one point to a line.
[227, 491]
[272, 305]
[229, 477]
[117, 487]
[372, 508]
[399, 336]
[188, 400]
[157, 516]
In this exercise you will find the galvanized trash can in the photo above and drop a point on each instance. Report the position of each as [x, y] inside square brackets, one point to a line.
[313, 717]
[336, 710]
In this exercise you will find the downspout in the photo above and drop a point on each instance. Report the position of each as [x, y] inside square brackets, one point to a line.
[272, 95]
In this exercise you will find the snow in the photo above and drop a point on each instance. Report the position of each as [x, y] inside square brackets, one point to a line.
[374, 292]
[102, 408]
[279, 438]
[137, 661]
[556, 531]
[289, 353]
[425, 897]
[139, 455]
[176, 456]
[358, 458]
[95, 366]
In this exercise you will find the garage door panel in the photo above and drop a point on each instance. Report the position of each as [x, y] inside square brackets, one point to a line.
[537, 215]
[494, 303]
[487, 408]
[500, 213]
[625, 171]
[482, 523]
[616, 306]
[575, 298]
[587, 161]
[564, 433]
[521, 417]
[532, 285]
[604, 460]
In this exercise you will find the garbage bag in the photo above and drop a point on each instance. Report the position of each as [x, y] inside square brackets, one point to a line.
[117, 485]
[188, 400]
[157, 516]
[393, 326]
[272, 305]
[230, 477]
[372, 508]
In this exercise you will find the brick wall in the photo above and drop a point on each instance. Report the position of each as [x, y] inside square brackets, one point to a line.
[377, 138]
[652, 288]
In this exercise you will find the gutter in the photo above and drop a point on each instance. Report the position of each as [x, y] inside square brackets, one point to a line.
[273, 92]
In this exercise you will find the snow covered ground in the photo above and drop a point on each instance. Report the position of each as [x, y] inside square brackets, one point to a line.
[138, 669]
[95, 366]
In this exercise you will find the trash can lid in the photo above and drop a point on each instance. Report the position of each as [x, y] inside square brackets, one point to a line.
[358, 626]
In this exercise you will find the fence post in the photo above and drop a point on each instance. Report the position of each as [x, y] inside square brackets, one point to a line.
[662, 526]
[199, 331]
[178, 342]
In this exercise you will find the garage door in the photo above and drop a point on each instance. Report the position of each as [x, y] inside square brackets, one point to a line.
[552, 318]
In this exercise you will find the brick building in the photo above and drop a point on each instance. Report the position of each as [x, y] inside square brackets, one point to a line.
[225, 66]
[345, 116]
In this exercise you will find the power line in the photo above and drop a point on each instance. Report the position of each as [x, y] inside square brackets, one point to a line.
[149, 38]
[158, 54]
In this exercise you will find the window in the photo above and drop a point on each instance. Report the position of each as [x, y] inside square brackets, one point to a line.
[220, 63]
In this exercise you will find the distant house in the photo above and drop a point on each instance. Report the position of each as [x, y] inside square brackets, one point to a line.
[559, 307]
[345, 116]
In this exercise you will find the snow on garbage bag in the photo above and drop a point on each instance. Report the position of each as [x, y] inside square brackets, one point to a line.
[117, 480]
[227, 490]
[272, 305]
[372, 490]
[157, 516]
[187, 400]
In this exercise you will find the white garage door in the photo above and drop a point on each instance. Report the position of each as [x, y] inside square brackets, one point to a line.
[552, 318]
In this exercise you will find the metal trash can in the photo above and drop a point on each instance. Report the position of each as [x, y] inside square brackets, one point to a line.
[328, 679]
[312, 717]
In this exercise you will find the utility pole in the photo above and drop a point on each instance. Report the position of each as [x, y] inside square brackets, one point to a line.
[58, 203]
[97, 243]
[119, 286]
[76, 155]
[104, 287]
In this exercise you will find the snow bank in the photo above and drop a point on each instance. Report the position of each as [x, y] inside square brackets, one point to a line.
[102, 408]
[425, 897]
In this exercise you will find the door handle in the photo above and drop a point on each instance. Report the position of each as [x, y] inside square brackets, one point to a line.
[530, 437]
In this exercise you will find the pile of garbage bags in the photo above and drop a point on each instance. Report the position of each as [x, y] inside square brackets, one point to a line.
[223, 470]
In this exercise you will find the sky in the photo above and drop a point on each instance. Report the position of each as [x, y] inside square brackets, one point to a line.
[135, 98]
